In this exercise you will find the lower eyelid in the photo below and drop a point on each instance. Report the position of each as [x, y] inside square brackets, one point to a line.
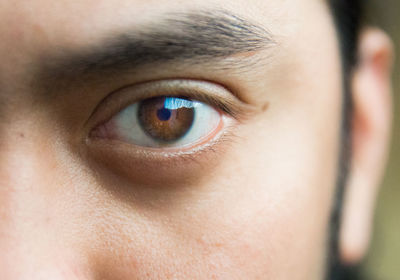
[150, 167]
[105, 135]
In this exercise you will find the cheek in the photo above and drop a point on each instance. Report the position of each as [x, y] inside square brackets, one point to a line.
[280, 183]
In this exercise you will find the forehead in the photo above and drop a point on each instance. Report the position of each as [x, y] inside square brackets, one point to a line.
[40, 23]
[31, 31]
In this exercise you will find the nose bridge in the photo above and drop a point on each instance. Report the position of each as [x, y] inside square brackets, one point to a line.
[21, 172]
[26, 237]
[18, 163]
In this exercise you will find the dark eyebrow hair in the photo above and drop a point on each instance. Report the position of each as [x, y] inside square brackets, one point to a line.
[187, 38]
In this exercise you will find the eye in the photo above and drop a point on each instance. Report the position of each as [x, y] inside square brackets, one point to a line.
[163, 122]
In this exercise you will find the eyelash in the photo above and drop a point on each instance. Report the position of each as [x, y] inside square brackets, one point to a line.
[158, 167]
[231, 108]
[149, 156]
[191, 89]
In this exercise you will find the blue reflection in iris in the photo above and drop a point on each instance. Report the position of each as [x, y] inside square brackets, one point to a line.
[174, 103]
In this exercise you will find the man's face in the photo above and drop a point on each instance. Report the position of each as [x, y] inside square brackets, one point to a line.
[248, 195]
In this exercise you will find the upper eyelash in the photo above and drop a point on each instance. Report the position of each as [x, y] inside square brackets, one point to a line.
[179, 88]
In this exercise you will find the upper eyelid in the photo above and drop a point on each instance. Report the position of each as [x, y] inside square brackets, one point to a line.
[210, 93]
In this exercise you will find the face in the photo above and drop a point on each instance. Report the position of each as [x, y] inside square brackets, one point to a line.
[167, 139]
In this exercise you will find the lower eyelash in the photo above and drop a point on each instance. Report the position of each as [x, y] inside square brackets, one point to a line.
[138, 166]
[216, 146]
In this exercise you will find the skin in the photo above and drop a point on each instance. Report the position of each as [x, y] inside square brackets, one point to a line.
[256, 206]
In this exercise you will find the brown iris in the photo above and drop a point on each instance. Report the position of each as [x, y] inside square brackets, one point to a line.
[164, 122]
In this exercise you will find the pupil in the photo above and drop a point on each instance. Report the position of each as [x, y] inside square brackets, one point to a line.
[164, 114]
[166, 119]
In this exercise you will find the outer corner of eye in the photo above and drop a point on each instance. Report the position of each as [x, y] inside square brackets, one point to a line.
[163, 122]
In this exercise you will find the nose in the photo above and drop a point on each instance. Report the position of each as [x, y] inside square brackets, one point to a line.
[31, 243]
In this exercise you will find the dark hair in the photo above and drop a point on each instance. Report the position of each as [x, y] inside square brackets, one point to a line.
[348, 16]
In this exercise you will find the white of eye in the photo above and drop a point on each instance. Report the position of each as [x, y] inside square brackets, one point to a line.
[126, 125]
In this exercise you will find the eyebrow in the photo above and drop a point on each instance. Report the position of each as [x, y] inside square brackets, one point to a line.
[192, 38]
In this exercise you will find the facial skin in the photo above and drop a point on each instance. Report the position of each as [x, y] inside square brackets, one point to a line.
[251, 202]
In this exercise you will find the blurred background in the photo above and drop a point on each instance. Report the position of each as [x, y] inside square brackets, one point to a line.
[383, 262]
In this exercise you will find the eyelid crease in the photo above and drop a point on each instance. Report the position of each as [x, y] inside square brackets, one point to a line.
[212, 94]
